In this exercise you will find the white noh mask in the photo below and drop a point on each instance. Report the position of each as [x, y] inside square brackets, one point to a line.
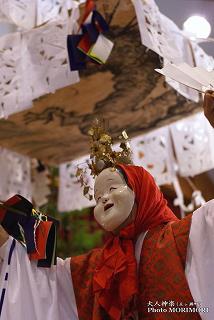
[114, 199]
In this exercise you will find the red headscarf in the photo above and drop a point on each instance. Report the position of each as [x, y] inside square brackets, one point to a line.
[115, 279]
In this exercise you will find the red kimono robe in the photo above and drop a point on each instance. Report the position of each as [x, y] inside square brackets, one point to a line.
[161, 276]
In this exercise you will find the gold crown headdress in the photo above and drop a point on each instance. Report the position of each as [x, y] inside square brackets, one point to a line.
[102, 154]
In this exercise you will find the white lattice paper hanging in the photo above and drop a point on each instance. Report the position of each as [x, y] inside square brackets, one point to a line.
[186, 54]
[46, 59]
[13, 96]
[70, 195]
[20, 12]
[202, 59]
[163, 36]
[32, 64]
[193, 139]
[154, 34]
[153, 151]
[28, 14]
[53, 9]
[15, 175]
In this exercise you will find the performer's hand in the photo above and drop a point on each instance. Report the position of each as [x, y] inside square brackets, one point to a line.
[3, 236]
[209, 106]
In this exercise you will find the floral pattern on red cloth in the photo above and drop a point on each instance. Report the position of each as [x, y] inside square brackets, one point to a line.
[162, 272]
[109, 283]
[161, 275]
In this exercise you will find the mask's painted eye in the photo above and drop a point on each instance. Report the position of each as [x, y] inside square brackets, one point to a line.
[112, 188]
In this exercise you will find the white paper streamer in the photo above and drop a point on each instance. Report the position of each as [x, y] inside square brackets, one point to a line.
[13, 96]
[193, 139]
[34, 63]
[197, 78]
[161, 35]
[40, 184]
[153, 34]
[20, 12]
[154, 152]
[202, 59]
[46, 58]
[197, 199]
[15, 175]
[27, 14]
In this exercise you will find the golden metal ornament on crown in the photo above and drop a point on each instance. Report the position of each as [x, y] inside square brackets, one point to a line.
[102, 154]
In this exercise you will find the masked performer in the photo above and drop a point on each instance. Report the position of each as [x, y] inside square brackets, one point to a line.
[153, 266]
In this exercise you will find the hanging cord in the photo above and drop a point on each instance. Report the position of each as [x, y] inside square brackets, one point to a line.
[197, 199]
[179, 201]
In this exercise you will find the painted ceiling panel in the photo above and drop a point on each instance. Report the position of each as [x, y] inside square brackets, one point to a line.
[126, 92]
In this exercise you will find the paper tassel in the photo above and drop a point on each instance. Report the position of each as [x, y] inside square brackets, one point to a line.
[91, 44]
[193, 140]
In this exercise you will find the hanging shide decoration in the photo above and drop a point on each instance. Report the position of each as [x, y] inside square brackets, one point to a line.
[27, 14]
[21, 175]
[162, 35]
[154, 151]
[15, 175]
[34, 62]
[193, 140]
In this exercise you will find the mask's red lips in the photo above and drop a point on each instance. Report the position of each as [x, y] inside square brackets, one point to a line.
[108, 206]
